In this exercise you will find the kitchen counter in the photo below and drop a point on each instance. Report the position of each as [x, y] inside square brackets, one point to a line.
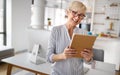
[107, 38]
[111, 47]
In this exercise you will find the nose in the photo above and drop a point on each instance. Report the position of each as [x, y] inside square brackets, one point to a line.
[77, 17]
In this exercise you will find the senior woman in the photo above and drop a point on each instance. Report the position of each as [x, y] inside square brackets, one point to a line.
[59, 53]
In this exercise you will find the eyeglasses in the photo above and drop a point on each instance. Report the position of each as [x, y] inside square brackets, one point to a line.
[76, 14]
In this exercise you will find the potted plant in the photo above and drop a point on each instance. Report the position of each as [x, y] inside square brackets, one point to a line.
[49, 21]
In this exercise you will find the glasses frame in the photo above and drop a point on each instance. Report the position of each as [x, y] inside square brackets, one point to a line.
[75, 13]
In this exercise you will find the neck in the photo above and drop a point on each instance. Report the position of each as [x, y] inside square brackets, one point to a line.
[69, 26]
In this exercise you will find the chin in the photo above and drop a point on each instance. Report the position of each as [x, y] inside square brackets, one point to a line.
[77, 23]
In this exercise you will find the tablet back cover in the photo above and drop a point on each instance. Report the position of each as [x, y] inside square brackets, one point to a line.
[80, 42]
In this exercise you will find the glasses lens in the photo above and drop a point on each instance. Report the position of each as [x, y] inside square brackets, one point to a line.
[81, 15]
[75, 14]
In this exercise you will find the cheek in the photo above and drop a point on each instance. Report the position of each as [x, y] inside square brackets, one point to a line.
[79, 21]
[71, 17]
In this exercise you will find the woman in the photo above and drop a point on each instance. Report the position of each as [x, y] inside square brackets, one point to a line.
[59, 53]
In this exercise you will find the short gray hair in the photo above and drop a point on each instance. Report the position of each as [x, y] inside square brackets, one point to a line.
[76, 6]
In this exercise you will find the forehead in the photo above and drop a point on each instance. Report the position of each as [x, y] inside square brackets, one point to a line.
[80, 11]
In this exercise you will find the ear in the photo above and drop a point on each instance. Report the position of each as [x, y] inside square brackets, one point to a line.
[66, 11]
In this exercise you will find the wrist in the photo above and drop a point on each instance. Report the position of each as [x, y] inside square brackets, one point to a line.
[89, 59]
[62, 56]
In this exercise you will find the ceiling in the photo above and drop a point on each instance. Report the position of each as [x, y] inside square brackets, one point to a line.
[56, 3]
[63, 3]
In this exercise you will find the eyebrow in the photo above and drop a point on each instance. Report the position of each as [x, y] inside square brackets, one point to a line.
[76, 11]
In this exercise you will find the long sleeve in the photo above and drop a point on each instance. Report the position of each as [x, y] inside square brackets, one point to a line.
[90, 62]
[51, 45]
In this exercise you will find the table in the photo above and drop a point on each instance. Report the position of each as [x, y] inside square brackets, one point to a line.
[21, 61]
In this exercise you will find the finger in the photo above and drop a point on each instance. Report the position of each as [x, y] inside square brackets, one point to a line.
[87, 50]
[69, 46]
[66, 50]
[72, 52]
[70, 55]
[85, 54]
[69, 49]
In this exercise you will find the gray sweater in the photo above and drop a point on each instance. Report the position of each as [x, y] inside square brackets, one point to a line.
[58, 41]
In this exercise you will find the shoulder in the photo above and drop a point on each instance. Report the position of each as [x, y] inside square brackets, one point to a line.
[56, 31]
[58, 28]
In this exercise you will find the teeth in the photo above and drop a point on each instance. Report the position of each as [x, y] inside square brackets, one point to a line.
[75, 20]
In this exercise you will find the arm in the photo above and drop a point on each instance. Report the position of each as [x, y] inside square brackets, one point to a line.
[51, 45]
[52, 56]
[51, 53]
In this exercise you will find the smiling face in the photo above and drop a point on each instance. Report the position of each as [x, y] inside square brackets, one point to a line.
[76, 13]
[75, 17]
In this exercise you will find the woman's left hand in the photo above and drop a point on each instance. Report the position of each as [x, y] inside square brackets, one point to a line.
[87, 54]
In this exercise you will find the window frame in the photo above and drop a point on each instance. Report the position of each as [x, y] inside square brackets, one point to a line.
[4, 24]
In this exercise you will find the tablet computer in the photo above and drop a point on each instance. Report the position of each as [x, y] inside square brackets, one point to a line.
[81, 42]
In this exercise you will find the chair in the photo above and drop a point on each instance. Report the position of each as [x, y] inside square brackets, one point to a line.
[98, 54]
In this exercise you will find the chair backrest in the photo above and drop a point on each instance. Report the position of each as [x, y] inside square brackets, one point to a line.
[98, 54]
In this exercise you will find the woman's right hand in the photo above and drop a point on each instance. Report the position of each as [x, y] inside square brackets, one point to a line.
[69, 53]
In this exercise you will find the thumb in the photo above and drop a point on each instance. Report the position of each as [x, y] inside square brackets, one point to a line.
[69, 47]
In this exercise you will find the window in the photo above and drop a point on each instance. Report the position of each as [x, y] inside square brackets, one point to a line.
[57, 16]
[2, 22]
[55, 13]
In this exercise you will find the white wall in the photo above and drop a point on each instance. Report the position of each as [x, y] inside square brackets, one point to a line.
[1, 4]
[20, 17]
[38, 37]
[18, 21]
